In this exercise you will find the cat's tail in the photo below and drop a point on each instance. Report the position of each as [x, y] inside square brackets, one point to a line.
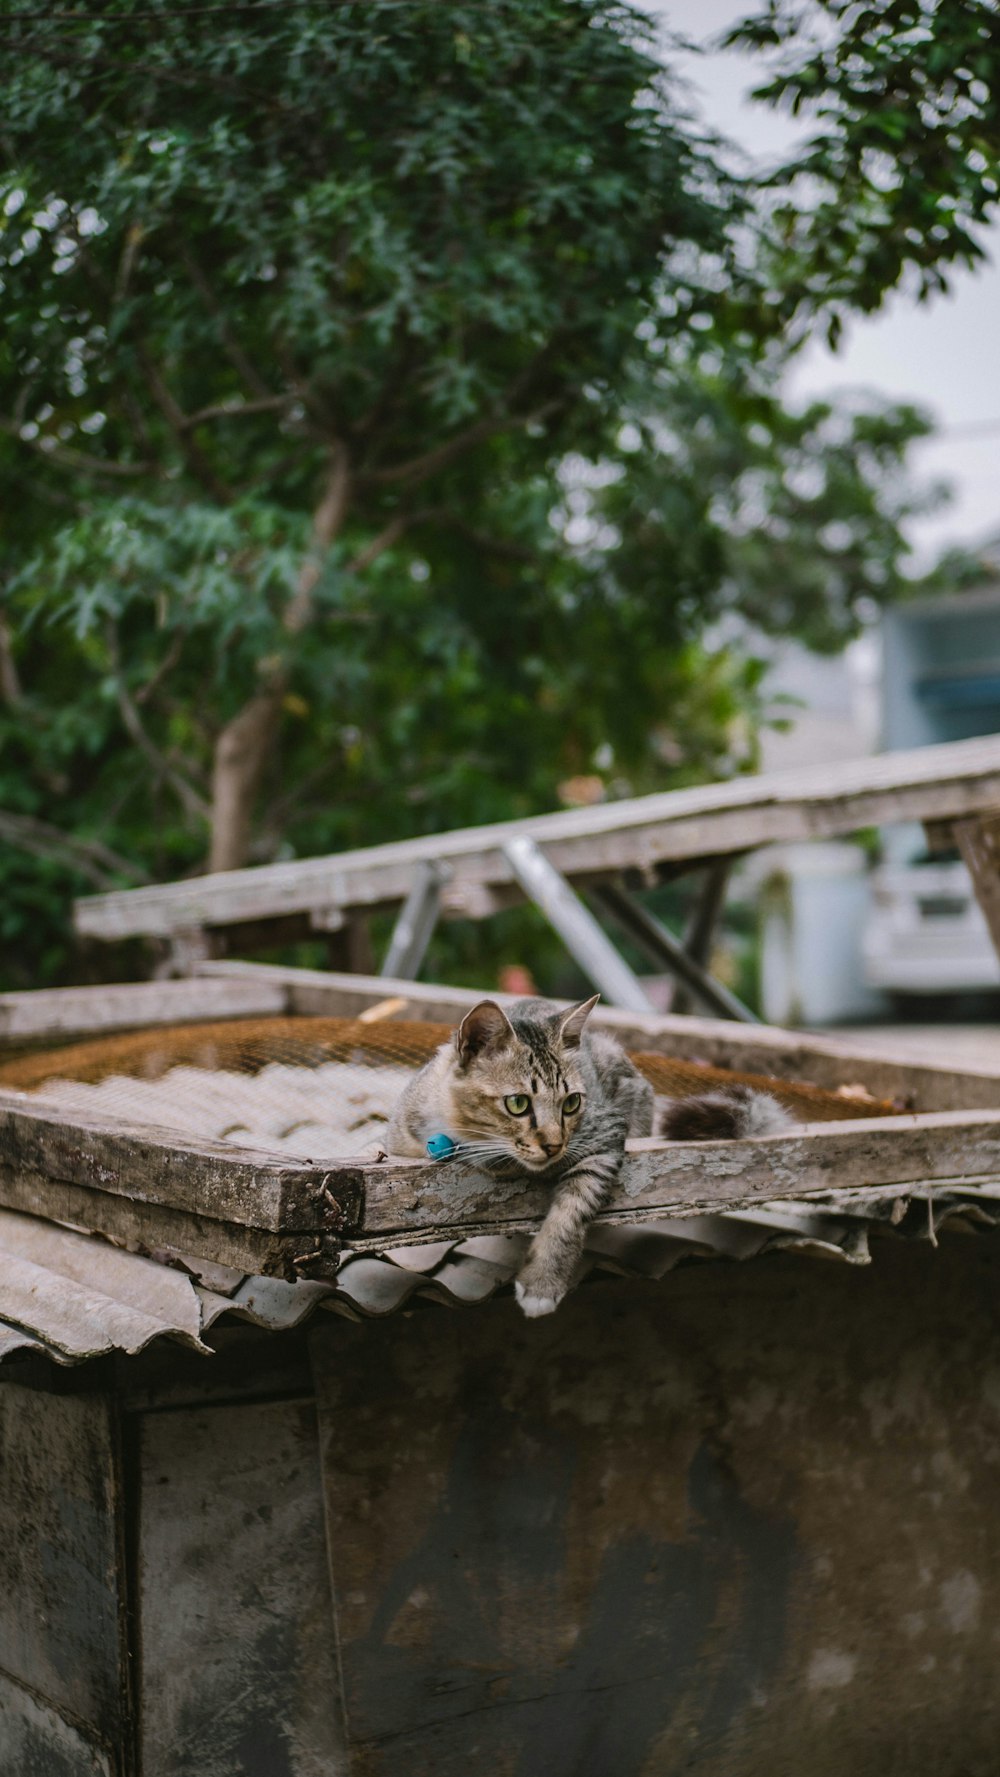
[726, 1115]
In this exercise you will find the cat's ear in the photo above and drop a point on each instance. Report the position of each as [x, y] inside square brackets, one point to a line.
[571, 1026]
[483, 1026]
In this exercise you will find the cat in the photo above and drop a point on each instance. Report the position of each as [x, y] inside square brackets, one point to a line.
[529, 1091]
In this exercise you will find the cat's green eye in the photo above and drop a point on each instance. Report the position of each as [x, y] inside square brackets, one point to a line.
[518, 1104]
[571, 1104]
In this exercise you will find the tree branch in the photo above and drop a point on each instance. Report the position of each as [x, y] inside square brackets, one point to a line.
[189, 798]
[482, 539]
[327, 520]
[97, 862]
[174, 415]
[74, 459]
[244, 745]
[176, 419]
[382, 541]
[51, 496]
[231, 346]
[241, 752]
[234, 410]
[419, 468]
[126, 264]
[163, 671]
[10, 683]
[291, 460]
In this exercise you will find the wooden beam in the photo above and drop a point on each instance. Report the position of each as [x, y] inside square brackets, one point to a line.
[574, 923]
[978, 840]
[684, 1178]
[940, 837]
[654, 938]
[414, 927]
[348, 942]
[703, 923]
[155, 1228]
[928, 783]
[398, 1203]
[159, 1167]
[56, 1012]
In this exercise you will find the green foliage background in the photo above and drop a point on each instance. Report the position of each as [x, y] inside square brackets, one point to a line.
[416, 369]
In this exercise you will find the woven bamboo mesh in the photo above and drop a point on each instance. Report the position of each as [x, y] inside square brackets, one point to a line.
[314, 1087]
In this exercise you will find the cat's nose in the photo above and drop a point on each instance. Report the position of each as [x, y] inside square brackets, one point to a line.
[549, 1145]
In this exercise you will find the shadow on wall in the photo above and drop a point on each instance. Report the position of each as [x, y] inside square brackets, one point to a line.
[639, 1667]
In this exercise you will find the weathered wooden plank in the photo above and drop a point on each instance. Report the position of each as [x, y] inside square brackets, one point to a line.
[160, 1167]
[60, 1593]
[408, 1200]
[928, 783]
[822, 1061]
[763, 1049]
[678, 1178]
[940, 836]
[78, 1011]
[239, 1662]
[408, 1210]
[703, 922]
[869, 1201]
[152, 1228]
[978, 841]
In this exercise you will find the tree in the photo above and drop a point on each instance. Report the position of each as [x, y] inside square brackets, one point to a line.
[904, 167]
[463, 679]
[388, 399]
[319, 261]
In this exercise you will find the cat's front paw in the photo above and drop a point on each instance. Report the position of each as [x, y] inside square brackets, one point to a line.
[532, 1304]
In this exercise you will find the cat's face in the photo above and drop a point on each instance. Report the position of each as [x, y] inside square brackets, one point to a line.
[518, 1090]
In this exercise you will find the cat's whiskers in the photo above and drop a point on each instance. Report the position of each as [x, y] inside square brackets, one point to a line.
[481, 1150]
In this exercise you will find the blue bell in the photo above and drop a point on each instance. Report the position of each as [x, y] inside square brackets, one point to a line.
[440, 1146]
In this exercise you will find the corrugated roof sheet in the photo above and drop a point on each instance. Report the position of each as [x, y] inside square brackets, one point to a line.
[71, 1296]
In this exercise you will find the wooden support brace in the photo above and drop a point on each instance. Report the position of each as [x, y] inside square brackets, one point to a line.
[978, 840]
[665, 949]
[186, 950]
[414, 927]
[576, 926]
[697, 942]
[940, 837]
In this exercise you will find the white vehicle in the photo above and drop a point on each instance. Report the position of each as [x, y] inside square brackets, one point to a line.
[925, 932]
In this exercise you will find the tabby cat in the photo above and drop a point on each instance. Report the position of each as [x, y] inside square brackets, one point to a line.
[530, 1091]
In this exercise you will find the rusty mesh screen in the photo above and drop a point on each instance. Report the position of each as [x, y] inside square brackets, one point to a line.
[314, 1087]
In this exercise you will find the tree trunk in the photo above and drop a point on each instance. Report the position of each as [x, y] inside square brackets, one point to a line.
[10, 684]
[241, 752]
[244, 745]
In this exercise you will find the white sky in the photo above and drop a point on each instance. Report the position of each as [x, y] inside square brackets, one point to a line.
[945, 355]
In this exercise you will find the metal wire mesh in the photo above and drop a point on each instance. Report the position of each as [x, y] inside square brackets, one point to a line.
[314, 1087]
